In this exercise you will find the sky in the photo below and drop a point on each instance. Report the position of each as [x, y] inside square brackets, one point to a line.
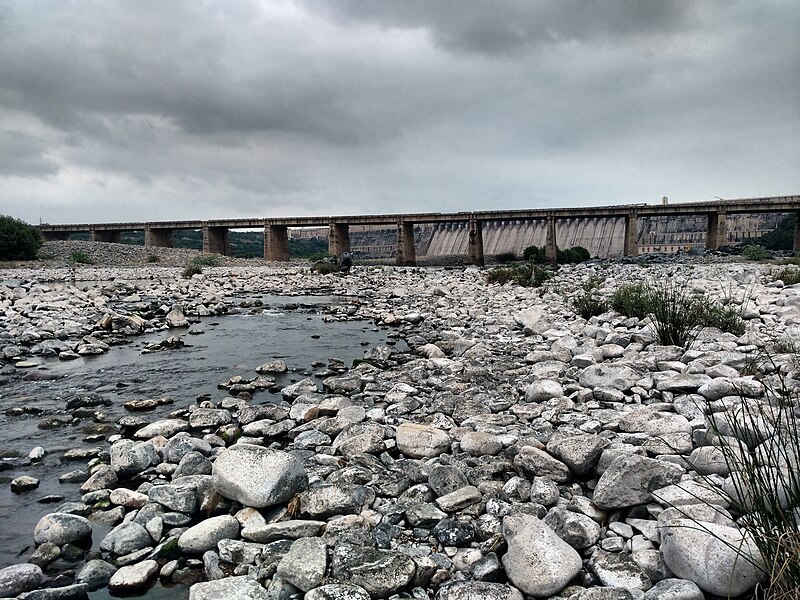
[196, 109]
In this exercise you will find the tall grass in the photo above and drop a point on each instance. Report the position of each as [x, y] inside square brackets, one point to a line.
[588, 303]
[764, 490]
[678, 314]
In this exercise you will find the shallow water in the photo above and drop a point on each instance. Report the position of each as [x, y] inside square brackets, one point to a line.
[230, 345]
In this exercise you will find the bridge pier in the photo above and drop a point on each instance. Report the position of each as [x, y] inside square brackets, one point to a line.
[54, 236]
[158, 237]
[276, 243]
[100, 235]
[476, 242]
[630, 245]
[215, 240]
[550, 247]
[717, 231]
[338, 238]
[406, 254]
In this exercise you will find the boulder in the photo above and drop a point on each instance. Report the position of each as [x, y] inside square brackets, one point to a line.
[258, 477]
[630, 479]
[17, 579]
[538, 562]
[421, 441]
[62, 528]
[304, 565]
[207, 534]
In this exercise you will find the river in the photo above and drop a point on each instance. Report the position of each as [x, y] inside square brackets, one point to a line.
[230, 345]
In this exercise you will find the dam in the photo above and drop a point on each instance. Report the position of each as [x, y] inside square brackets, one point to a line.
[603, 230]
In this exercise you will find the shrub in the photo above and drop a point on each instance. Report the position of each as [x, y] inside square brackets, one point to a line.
[526, 274]
[79, 257]
[534, 254]
[753, 252]
[505, 257]
[589, 304]
[789, 276]
[192, 269]
[18, 240]
[153, 258]
[324, 267]
[206, 260]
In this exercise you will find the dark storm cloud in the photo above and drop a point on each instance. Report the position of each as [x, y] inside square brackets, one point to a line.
[24, 155]
[345, 106]
[502, 26]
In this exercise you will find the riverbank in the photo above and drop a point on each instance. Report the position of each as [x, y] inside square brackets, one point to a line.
[514, 448]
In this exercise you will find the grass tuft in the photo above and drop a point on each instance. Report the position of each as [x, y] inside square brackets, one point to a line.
[526, 274]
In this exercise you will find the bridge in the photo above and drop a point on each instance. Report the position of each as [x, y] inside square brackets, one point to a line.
[276, 238]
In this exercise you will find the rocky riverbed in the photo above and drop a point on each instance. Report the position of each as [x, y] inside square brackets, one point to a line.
[515, 450]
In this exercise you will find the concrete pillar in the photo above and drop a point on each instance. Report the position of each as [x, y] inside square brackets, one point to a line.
[476, 242]
[215, 240]
[54, 236]
[631, 244]
[276, 243]
[338, 238]
[99, 235]
[550, 247]
[158, 237]
[716, 234]
[406, 255]
[796, 244]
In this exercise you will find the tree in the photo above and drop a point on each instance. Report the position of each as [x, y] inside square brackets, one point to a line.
[18, 240]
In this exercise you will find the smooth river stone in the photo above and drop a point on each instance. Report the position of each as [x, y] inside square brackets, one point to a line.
[256, 476]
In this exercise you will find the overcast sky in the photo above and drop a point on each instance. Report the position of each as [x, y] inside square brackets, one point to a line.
[155, 110]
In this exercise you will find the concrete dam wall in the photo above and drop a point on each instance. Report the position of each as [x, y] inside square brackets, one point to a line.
[601, 237]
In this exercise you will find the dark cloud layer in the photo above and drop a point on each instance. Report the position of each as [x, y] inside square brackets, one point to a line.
[147, 110]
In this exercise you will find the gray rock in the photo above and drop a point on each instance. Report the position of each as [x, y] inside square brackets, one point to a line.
[126, 538]
[75, 591]
[684, 382]
[295, 390]
[380, 572]
[328, 500]
[337, 591]
[444, 479]
[230, 588]
[618, 377]
[360, 438]
[460, 499]
[304, 565]
[103, 477]
[95, 574]
[209, 417]
[538, 562]
[176, 318]
[531, 462]
[166, 427]
[478, 443]
[129, 457]
[272, 366]
[207, 533]
[629, 480]
[24, 483]
[477, 590]
[618, 570]
[543, 390]
[533, 320]
[62, 528]
[133, 577]
[674, 589]
[283, 530]
[421, 441]
[182, 498]
[239, 552]
[193, 463]
[706, 553]
[257, 476]
[578, 530]
[19, 578]
[579, 452]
